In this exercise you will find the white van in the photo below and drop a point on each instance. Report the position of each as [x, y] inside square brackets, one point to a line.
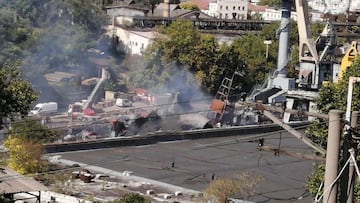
[45, 108]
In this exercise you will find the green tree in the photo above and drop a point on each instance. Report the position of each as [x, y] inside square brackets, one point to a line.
[189, 6]
[25, 155]
[181, 48]
[48, 34]
[25, 145]
[179, 51]
[231, 60]
[32, 130]
[253, 50]
[206, 56]
[132, 198]
[16, 93]
[332, 96]
[271, 3]
[4, 199]
[179, 42]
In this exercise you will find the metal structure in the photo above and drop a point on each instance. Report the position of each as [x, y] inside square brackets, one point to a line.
[221, 103]
[316, 58]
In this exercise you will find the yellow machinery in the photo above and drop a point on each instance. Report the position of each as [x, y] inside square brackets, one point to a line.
[349, 58]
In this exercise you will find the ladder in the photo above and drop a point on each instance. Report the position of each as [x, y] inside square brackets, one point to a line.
[221, 101]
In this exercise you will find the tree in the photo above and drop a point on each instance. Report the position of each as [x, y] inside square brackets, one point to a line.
[32, 130]
[189, 6]
[5, 199]
[332, 96]
[240, 186]
[271, 3]
[132, 198]
[25, 145]
[49, 34]
[16, 93]
[252, 50]
[178, 42]
[206, 56]
[25, 155]
[179, 51]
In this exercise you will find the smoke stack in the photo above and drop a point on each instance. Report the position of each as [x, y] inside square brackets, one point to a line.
[166, 8]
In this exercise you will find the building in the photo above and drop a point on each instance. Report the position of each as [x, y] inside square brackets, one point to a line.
[271, 14]
[123, 17]
[254, 9]
[229, 9]
[203, 5]
[132, 42]
[354, 6]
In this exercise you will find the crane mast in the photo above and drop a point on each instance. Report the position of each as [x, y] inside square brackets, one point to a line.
[316, 59]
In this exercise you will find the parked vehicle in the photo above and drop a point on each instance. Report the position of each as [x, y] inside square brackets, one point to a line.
[123, 102]
[45, 108]
[77, 112]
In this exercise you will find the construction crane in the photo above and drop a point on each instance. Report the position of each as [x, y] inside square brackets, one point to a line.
[350, 56]
[316, 57]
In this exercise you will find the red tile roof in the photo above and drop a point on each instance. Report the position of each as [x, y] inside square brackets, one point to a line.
[256, 8]
[202, 4]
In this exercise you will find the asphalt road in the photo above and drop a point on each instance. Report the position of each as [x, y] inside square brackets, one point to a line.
[192, 163]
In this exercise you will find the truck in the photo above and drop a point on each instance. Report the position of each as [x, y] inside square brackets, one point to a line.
[77, 111]
[120, 102]
[45, 108]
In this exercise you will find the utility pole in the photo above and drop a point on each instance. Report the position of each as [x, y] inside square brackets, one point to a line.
[350, 187]
[332, 154]
[346, 178]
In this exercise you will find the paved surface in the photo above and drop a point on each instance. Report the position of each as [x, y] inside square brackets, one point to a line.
[191, 164]
[11, 181]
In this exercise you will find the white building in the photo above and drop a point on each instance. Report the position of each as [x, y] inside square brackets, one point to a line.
[355, 6]
[337, 6]
[229, 9]
[271, 14]
[133, 42]
[213, 7]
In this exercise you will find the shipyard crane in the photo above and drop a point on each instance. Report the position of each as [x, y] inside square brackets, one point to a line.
[316, 56]
[316, 63]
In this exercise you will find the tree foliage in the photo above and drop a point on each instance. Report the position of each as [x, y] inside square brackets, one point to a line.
[240, 186]
[32, 130]
[46, 35]
[176, 54]
[331, 97]
[132, 198]
[16, 93]
[271, 3]
[189, 6]
[25, 155]
[181, 51]
[25, 145]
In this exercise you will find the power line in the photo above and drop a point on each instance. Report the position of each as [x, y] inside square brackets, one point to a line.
[251, 137]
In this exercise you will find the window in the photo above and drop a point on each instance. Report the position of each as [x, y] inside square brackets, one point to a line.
[227, 8]
[233, 7]
[239, 8]
[220, 7]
